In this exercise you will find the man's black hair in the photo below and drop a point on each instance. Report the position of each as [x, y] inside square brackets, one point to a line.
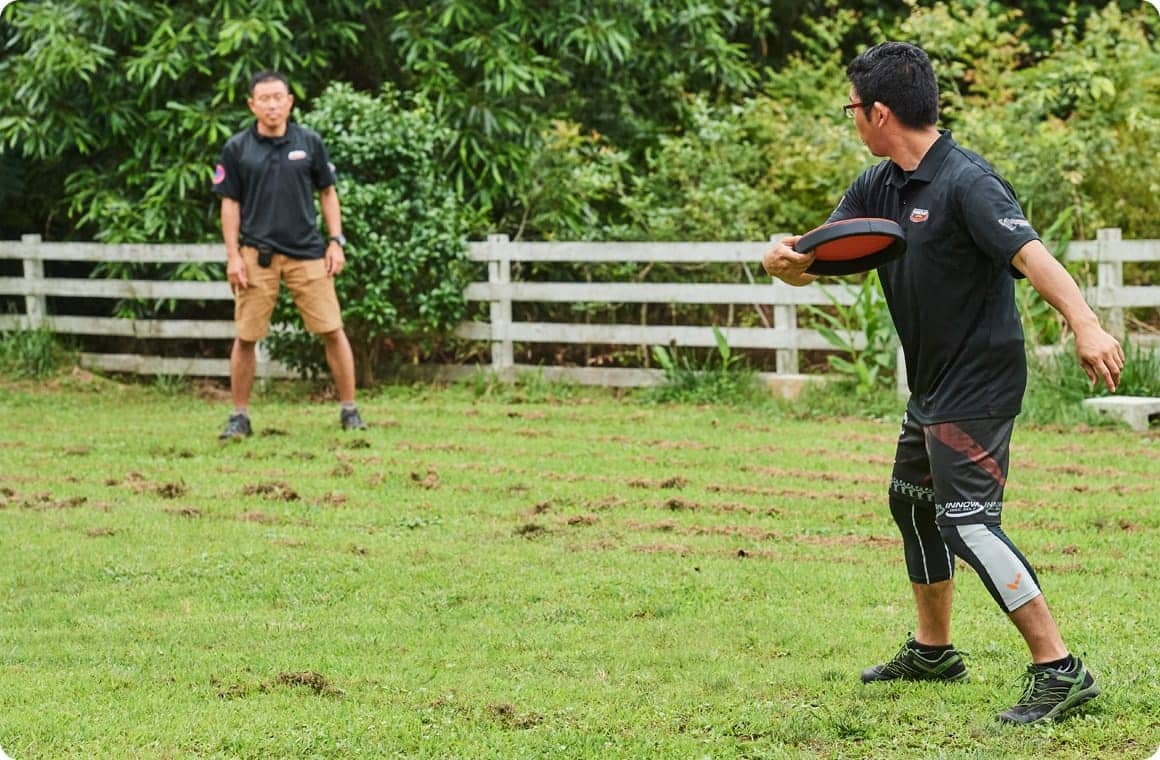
[898, 75]
[268, 76]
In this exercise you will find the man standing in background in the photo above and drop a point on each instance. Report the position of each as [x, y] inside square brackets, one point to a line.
[267, 177]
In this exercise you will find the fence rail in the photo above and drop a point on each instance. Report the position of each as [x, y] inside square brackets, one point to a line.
[500, 291]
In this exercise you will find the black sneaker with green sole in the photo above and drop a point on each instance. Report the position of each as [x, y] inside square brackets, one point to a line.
[911, 665]
[1050, 692]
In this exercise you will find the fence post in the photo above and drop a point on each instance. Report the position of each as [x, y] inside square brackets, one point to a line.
[262, 364]
[1110, 279]
[785, 318]
[900, 382]
[35, 305]
[499, 274]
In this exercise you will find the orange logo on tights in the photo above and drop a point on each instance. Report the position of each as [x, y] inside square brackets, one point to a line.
[1015, 583]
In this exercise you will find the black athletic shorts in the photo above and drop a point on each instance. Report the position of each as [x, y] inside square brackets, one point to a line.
[959, 467]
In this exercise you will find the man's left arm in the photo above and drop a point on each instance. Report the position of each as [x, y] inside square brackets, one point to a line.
[1100, 354]
[332, 215]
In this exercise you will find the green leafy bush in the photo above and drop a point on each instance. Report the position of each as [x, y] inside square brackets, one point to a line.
[720, 377]
[872, 368]
[406, 262]
[30, 353]
[1057, 385]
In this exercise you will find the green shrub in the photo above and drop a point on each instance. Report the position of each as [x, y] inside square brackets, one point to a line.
[31, 353]
[841, 397]
[1057, 385]
[406, 263]
[870, 369]
[721, 377]
[1070, 130]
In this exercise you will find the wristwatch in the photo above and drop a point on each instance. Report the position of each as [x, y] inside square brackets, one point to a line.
[340, 239]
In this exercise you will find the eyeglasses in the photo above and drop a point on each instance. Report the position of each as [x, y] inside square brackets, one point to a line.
[849, 109]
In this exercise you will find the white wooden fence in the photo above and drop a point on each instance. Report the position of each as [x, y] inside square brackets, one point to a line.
[781, 334]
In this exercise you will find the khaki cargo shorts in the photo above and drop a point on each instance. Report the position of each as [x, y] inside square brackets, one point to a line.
[311, 287]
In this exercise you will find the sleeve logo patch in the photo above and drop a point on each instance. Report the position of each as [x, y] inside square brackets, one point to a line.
[219, 174]
[296, 155]
[919, 215]
[1013, 224]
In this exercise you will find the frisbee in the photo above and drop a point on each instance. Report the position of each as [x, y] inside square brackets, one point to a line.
[849, 246]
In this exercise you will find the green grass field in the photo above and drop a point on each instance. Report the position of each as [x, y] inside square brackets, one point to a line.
[521, 576]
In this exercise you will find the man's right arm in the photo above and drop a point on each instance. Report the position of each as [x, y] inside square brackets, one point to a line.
[231, 215]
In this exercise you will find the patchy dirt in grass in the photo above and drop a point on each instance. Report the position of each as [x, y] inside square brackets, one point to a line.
[530, 530]
[134, 481]
[1095, 487]
[577, 521]
[211, 390]
[258, 516]
[675, 481]
[171, 452]
[316, 682]
[605, 502]
[758, 534]
[1051, 567]
[334, 499]
[680, 445]
[77, 451]
[428, 481]
[822, 475]
[679, 505]
[454, 448]
[507, 716]
[272, 432]
[541, 508]
[342, 470]
[100, 532]
[275, 490]
[172, 490]
[182, 511]
[46, 501]
[663, 549]
[527, 415]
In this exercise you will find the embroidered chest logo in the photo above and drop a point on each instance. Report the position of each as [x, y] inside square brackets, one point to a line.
[919, 215]
[296, 155]
[219, 174]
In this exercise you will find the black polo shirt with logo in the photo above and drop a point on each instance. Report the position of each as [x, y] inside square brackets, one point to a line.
[952, 296]
[274, 180]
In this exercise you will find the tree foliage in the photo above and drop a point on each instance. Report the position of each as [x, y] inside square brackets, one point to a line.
[116, 108]
[561, 119]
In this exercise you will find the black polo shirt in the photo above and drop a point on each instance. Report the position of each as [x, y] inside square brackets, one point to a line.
[952, 296]
[274, 179]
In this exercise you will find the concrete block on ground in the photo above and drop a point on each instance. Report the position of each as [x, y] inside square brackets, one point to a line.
[1137, 411]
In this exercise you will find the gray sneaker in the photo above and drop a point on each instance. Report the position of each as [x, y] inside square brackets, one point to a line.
[911, 665]
[351, 420]
[237, 427]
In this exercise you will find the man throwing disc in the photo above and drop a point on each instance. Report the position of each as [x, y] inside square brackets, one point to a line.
[952, 299]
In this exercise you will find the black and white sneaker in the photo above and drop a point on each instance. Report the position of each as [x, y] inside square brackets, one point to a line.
[238, 426]
[351, 420]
